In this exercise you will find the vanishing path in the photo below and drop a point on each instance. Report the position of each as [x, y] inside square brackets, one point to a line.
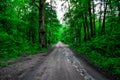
[60, 64]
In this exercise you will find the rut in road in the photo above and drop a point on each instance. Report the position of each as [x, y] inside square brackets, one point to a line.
[60, 64]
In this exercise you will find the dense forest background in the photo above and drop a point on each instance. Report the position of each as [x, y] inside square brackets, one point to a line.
[19, 28]
[91, 27]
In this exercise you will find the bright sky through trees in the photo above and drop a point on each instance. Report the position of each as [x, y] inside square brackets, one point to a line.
[59, 9]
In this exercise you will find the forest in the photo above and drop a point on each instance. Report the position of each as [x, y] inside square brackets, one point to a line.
[91, 27]
[19, 28]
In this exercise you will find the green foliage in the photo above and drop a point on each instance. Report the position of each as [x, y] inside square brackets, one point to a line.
[95, 31]
[19, 28]
[104, 51]
[13, 37]
[53, 27]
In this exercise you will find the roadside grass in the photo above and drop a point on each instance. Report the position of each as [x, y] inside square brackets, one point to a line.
[104, 52]
[6, 55]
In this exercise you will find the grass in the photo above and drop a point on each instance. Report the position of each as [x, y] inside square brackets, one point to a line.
[104, 52]
[6, 55]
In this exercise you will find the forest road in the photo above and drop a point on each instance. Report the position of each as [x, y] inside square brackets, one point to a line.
[60, 64]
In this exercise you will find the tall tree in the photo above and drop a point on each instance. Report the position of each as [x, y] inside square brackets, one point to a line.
[90, 14]
[100, 17]
[41, 22]
[104, 16]
[93, 14]
[42, 39]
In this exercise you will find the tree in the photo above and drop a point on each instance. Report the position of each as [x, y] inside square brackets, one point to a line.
[104, 16]
[42, 39]
[91, 21]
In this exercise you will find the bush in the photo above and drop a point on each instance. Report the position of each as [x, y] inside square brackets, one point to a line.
[104, 52]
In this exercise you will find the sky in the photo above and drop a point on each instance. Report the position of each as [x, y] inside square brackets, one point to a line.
[60, 12]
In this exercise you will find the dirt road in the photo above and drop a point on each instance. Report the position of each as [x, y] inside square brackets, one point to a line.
[60, 64]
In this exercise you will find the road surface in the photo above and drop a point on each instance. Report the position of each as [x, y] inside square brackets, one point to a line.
[60, 64]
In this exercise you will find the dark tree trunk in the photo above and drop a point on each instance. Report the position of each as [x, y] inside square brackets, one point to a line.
[75, 30]
[99, 31]
[85, 34]
[90, 14]
[87, 27]
[85, 31]
[51, 21]
[79, 34]
[119, 10]
[42, 39]
[104, 17]
[94, 26]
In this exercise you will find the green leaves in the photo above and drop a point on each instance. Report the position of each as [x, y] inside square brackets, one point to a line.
[104, 52]
[14, 23]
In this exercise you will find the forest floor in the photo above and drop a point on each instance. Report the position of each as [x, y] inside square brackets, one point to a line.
[58, 64]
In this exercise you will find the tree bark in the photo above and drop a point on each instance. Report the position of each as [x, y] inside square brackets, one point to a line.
[90, 14]
[119, 10]
[79, 34]
[99, 31]
[104, 17]
[85, 29]
[94, 26]
[51, 21]
[42, 39]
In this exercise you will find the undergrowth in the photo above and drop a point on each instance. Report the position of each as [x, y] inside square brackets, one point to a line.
[104, 52]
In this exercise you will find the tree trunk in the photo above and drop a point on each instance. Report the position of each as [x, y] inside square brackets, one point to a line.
[42, 39]
[90, 14]
[104, 17]
[85, 37]
[119, 10]
[94, 26]
[99, 31]
[79, 34]
[87, 27]
[51, 21]
[85, 31]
